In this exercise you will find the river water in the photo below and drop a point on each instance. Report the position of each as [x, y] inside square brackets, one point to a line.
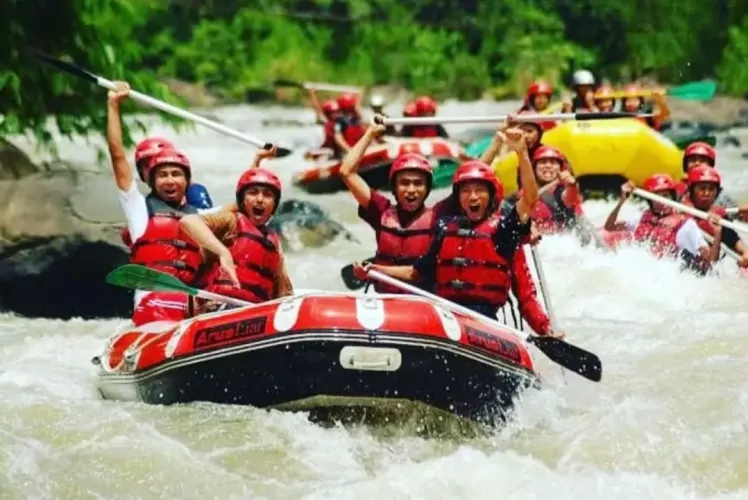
[667, 421]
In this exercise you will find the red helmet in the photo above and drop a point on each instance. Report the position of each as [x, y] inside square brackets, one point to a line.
[167, 157]
[147, 148]
[659, 182]
[549, 152]
[258, 176]
[703, 173]
[410, 109]
[700, 149]
[347, 102]
[411, 161]
[476, 170]
[425, 105]
[539, 87]
[329, 107]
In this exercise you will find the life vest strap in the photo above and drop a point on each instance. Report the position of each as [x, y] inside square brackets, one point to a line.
[176, 264]
[463, 262]
[464, 285]
[263, 271]
[172, 242]
[266, 243]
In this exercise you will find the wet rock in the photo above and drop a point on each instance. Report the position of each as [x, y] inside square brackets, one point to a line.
[59, 237]
[303, 224]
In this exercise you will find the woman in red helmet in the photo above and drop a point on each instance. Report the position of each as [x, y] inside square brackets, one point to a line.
[538, 97]
[153, 221]
[325, 113]
[704, 186]
[250, 260]
[473, 259]
[404, 229]
[669, 233]
[424, 107]
[348, 126]
[634, 103]
[560, 204]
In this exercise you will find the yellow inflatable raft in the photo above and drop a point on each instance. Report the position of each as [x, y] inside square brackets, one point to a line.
[602, 153]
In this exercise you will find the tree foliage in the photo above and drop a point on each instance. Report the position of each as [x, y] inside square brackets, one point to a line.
[446, 47]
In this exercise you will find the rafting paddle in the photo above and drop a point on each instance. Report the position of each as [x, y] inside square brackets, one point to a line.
[155, 103]
[138, 277]
[349, 279]
[329, 87]
[571, 357]
[538, 117]
[741, 228]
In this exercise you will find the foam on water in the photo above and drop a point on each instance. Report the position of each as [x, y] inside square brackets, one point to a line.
[667, 421]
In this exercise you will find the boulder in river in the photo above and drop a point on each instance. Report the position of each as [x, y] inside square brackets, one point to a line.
[59, 237]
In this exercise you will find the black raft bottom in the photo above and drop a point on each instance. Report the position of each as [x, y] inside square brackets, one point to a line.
[306, 374]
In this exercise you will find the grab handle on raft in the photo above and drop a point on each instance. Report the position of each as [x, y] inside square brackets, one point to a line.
[742, 228]
[571, 357]
[155, 103]
[136, 277]
[432, 120]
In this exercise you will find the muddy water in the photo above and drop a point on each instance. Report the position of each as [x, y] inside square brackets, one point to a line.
[668, 420]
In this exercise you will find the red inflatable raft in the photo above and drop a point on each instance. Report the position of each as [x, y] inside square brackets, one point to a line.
[324, 175]
[291, 353]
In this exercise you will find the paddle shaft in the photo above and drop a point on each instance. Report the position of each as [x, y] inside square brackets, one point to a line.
[544, 287]
[446, 303]
[150, 101]
[331, 87]
[432, 120]
[728, 251]
[689, 210]
[220, 298]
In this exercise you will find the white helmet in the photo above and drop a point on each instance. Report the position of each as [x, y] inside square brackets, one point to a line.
[583, 77]
[376, 101]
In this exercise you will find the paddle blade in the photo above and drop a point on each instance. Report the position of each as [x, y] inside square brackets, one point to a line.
[287, 83]
[694, 91]
[138, 277]
[571, 357]
[350, 281]
[283, 152]
[62, 65]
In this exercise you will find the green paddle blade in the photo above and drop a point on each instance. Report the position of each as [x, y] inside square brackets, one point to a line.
[694, 91]
[476, 148]
[138, 277]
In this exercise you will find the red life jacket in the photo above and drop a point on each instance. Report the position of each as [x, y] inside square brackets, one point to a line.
[660, 231]
[329, 129]
[164, 246]
[468, 267]
[398, 246]
[703, 224]
[353, 131]
[257, 258]
[421, 131]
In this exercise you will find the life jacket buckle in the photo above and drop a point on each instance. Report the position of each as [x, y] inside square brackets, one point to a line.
[459, 285]
[460, 262]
